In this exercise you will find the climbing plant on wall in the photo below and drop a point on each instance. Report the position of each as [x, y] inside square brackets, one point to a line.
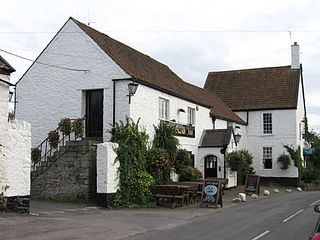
[134, 181]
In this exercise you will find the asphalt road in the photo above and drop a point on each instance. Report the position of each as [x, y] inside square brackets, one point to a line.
[287, 217]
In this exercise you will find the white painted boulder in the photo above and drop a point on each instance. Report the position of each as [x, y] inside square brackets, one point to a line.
[254, 196]
[288, 190]
[299, 189]
[242, 196]
[236, 200]
[276, 190]
[266, 192]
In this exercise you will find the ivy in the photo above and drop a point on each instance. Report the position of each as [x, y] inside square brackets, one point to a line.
[295, 155]
[134, 181]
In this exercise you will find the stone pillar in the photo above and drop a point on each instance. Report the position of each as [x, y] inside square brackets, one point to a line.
[107, 178]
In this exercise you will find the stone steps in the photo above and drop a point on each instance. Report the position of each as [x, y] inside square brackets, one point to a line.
[70, 146]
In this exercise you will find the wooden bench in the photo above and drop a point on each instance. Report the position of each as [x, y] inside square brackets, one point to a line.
[194, 190]
[171, 193]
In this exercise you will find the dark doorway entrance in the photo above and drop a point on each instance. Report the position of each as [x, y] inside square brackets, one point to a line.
[210, 166]
[94, 114]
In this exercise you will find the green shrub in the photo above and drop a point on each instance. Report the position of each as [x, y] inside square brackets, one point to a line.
[187, 174]
[158, 165]
[241, 162]
[310, 174]
[285, 161]
[182, 160]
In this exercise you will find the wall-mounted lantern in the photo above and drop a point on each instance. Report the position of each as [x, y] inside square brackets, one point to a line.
[132, 89]
[237, 138]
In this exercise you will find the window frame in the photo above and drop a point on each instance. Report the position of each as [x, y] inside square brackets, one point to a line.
[191, 117]
[267, 155]
[164, 113]
[267, 126]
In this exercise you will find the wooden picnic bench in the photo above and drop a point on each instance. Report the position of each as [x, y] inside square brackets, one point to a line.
[194, 191]
[173, 194]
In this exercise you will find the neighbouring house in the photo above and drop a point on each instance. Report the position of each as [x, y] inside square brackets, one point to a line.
[15, 144]
[85, 73]
[271, 101]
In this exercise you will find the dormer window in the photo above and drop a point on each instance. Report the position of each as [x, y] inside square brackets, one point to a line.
[267, 123]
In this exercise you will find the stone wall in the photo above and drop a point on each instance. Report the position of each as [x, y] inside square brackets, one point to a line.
[72, 176]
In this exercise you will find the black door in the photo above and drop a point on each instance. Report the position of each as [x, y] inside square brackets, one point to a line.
[210, 166]
[94, 114]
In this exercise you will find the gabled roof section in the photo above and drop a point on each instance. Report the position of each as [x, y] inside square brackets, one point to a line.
[152, 73]
[5, 67]
[256, 89]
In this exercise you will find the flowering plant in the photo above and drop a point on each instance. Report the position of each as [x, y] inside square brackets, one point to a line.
[197, 173]
[77, 127]
[35, 155]
[158, 166]
[65, 126]
[53, 138]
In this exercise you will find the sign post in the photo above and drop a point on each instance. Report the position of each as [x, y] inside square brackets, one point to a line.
[211, 194]
[252, 184]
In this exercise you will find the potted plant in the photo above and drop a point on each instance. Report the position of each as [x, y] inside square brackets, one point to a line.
[78, 128]
[53, 138]
[65, 126]
[35, 155]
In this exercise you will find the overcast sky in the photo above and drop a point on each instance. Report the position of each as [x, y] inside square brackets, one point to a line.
[191, 37]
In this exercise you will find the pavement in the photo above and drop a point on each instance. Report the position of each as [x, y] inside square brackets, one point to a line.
[54, 220]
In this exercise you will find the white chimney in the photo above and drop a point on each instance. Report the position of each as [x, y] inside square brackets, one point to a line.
[295, 59]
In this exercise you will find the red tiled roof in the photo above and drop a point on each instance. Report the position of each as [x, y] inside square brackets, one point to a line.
[256, 89]
[155, 74]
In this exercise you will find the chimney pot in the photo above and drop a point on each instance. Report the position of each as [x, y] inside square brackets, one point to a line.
[295, 58]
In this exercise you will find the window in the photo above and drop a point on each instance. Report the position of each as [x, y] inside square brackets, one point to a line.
[267, 123]
[163, 109]
[267, 157]
[191, 116]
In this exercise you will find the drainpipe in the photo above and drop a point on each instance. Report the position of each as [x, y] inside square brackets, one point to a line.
[114, 104]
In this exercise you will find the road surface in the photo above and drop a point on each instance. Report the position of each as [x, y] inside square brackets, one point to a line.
[287, 217]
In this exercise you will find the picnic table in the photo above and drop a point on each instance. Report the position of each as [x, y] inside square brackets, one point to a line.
[171, 193]
[194, 191]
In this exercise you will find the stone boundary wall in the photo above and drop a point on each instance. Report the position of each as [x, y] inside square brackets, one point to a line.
[71, 177]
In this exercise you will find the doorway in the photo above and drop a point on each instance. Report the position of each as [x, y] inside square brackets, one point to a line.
[94, 114]
[210, 166]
